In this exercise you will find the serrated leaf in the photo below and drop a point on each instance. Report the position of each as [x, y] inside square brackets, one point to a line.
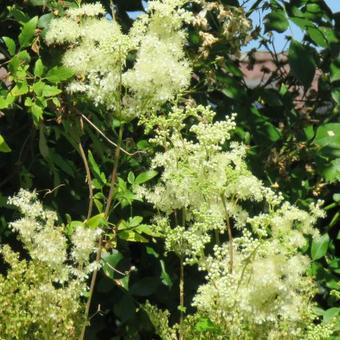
[39, 68]
[58, 74]
[301, 62]
[96, 221]
[331, 314]
[204, 325]
[276, 21]
[37, 112]
[50, 91]
[145, 176]
[319, 247]
[6, 102]
[331, 173]
[10, 44]
[19, 89]
[130, 235]
[135, 221]
[148, 230]
[3, 145]
[27, 32]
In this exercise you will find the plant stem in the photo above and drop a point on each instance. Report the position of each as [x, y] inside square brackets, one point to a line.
[230, 236]
[88, 179]
[106, 215]
[181, 284]
[114, 172]
[181, 297]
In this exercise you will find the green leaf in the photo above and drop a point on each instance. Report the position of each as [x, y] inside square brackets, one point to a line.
[331, 314]
[96, 221]
[37, 112]
[145, 176]
[336, 95]
[18, 15]
[319, 247]
[27, 32]
[276, 21]
[272, 132]
[58, 74]
[302, 22]
[336, 197]
[328, 135]
[39, 68]
[19, 89]
[3, 145]
[38, 87]
[130, 235]
[317, 36]
[335, 70]
[204, 324]
[148, 230]
[331, 173]
[71, 227]
[131, 177]
[6, 102]
[45, 20]
[165, 277]
[100, 176]
[38, 2]
[302, 62]
[10, 44]
[230, 87]
[50, 91]
[135, 221]
[62, 163]
[110, 262]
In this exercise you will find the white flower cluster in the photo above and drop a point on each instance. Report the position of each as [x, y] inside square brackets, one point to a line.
[98, 51]
[42, 296]
[256, 281]
[46, 242]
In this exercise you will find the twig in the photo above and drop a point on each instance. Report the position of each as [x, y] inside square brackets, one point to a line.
[181, 297]
[88, 179]
[100, 241]
[107, 138]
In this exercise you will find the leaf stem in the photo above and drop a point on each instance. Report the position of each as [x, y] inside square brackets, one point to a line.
[88, 179]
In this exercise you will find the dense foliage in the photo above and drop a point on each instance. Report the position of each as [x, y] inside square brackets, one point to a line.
[208, 223]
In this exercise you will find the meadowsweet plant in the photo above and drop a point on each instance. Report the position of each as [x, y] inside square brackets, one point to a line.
[42, 293]
[257, 285]
[210, 210]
